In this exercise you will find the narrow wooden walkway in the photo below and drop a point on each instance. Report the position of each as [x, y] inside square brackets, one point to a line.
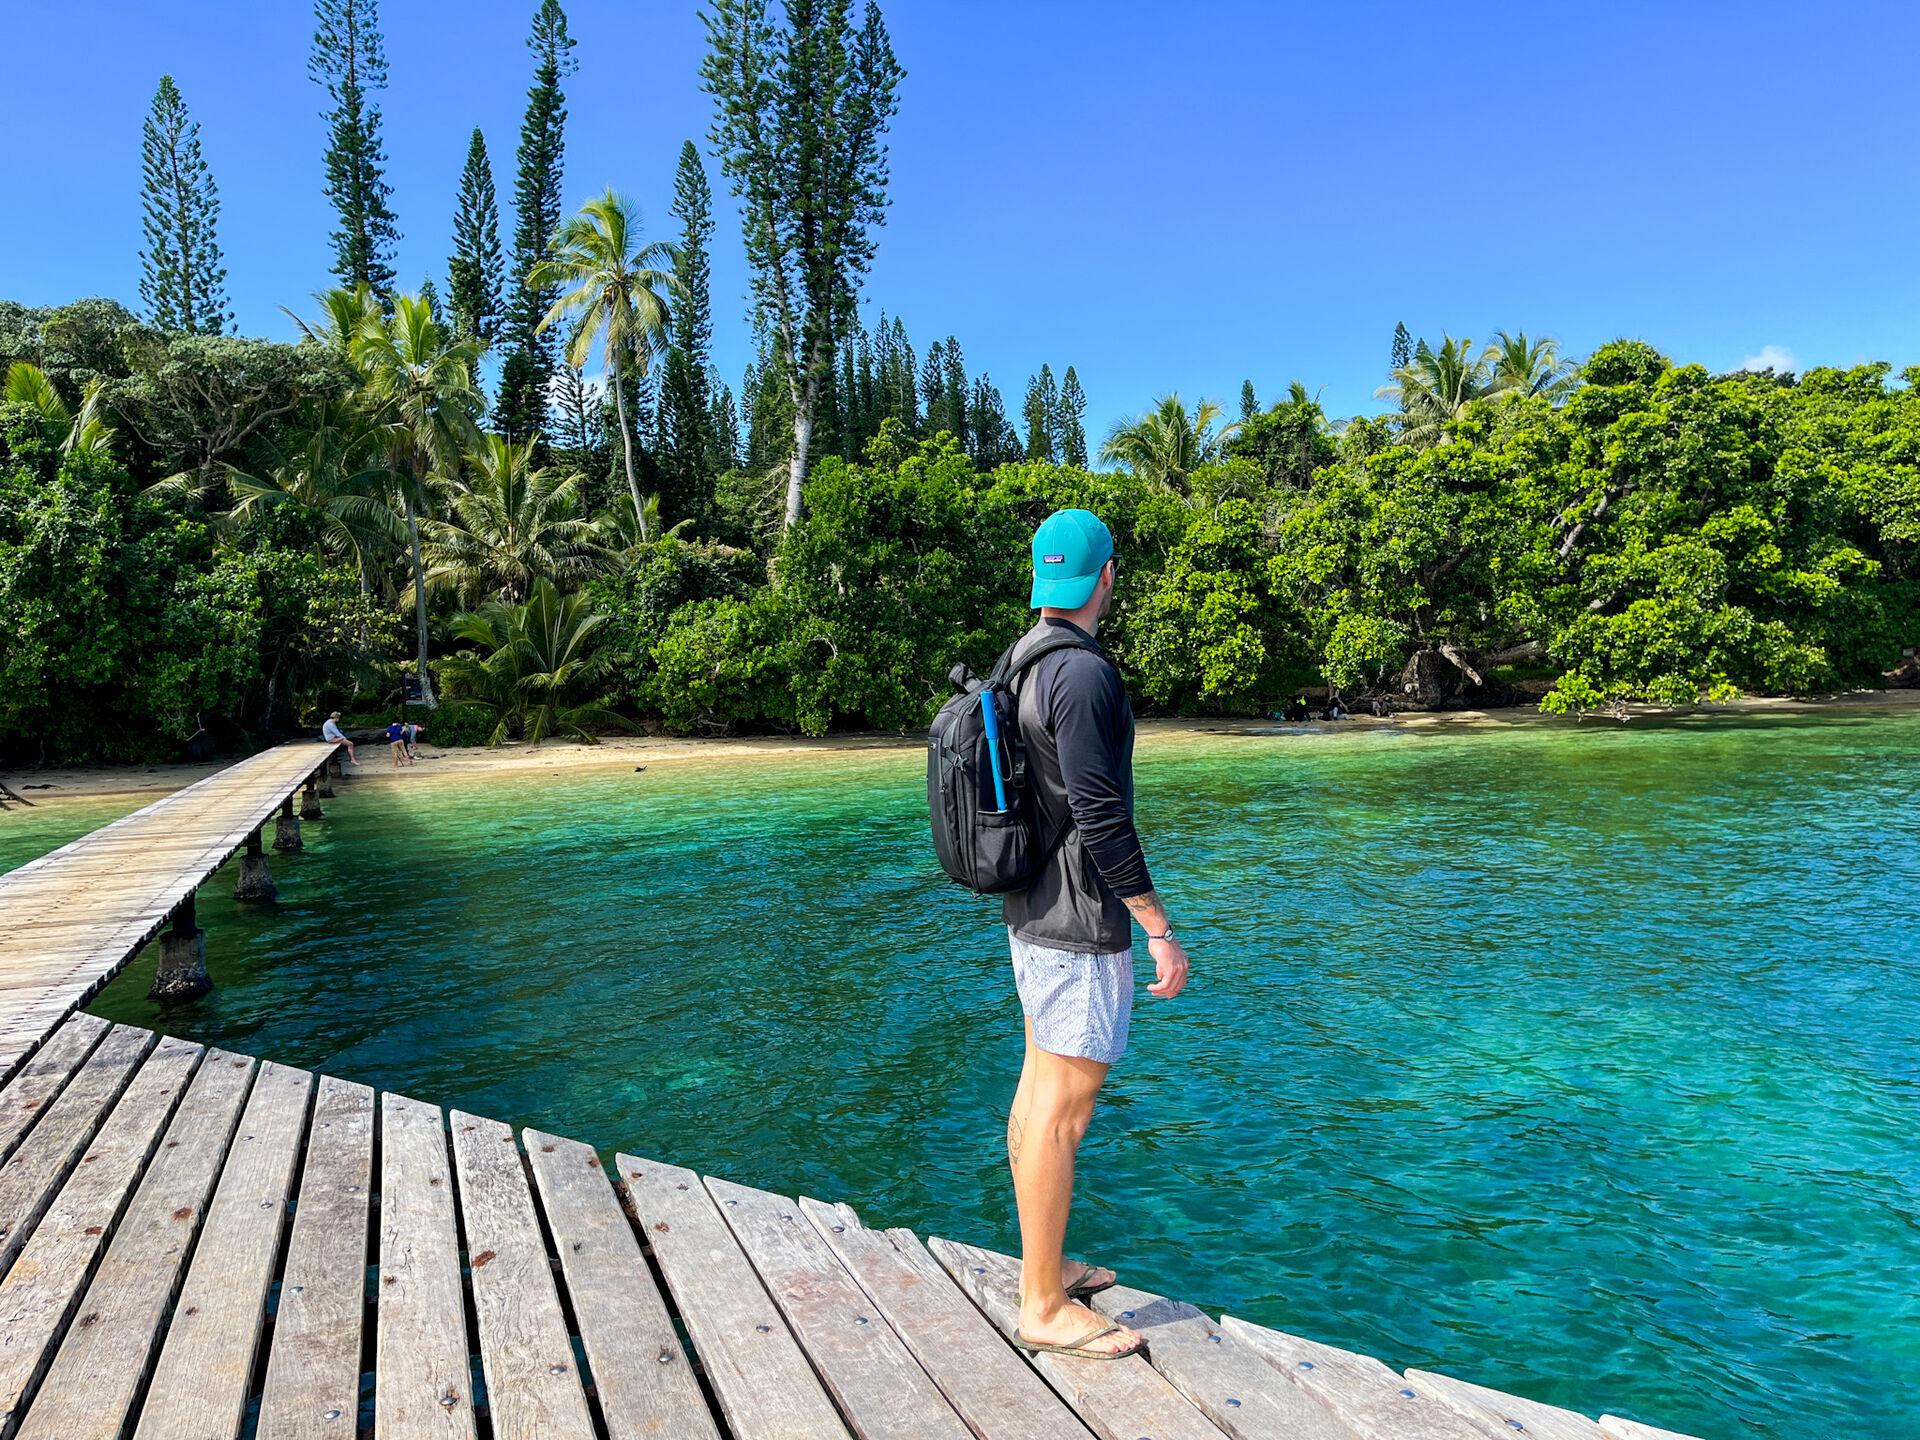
[198, 1244]
[189, 1237]
[71, 919]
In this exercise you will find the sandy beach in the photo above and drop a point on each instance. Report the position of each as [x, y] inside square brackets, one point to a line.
[624, 752]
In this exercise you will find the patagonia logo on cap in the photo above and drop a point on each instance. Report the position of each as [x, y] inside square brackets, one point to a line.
[1053, 559]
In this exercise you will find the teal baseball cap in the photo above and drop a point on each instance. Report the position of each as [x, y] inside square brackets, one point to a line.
[1068, 550]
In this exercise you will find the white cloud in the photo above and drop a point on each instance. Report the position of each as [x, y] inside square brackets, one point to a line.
[1772, 357]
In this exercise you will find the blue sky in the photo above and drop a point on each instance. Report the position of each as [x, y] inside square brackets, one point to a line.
[1165, 196]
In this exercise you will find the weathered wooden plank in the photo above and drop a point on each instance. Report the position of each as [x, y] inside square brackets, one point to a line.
[766, 1388]
[873, 1377]
[43, 1076]
[533, 1386]
[199, 1386]
[422, 1388]
[983, 1378]
[1514, 1413]
[38, 1295]
[645, 1384]
[1118, 1399]
[1362, 1392]
[1614, 1428]
[313, 1370]
[1232, 1386]
[103, 1360]
[29, 1180]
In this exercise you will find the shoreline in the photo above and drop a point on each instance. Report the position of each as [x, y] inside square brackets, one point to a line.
[615, 752]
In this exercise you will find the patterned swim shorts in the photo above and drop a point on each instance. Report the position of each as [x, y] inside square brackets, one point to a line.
[1079, 1004]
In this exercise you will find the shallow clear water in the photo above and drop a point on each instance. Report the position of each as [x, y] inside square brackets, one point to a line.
[1583, 1061]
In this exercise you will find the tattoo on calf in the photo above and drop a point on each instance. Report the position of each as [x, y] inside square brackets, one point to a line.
[1014, 1137]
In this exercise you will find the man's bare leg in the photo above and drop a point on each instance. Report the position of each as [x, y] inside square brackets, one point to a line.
[1051, 1109]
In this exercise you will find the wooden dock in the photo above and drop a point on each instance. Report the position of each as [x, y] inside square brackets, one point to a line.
[195, 1242]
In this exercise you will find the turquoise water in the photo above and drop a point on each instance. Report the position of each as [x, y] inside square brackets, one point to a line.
[28, 832]
[1583, 1061]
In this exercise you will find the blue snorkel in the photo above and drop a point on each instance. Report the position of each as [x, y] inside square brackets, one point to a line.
[990, 723]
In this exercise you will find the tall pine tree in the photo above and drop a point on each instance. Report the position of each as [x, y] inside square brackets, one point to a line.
[994, 442]
[1041, 411]
[349, 62]
[1071, 424]
[689, 459]
[1402, 355]
[536, 204]
[1249, 403]
[181, 278]
[475, 271]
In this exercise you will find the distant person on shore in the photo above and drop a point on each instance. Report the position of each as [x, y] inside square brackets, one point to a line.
[413, 733]
[332, 731]
[397, 740]
[1071, 930]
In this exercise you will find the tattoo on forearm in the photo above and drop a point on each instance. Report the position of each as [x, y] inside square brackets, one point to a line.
[1144, 903]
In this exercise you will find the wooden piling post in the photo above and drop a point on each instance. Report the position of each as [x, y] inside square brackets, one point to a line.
[310, 800]
[182, 972]
[286, 828]
[255, 881]
[325, 790]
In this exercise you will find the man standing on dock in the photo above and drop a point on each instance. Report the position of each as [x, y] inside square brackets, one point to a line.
[1071, 931]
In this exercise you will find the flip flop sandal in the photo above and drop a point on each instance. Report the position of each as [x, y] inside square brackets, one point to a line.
[1093, 1279]
[1078, 1349]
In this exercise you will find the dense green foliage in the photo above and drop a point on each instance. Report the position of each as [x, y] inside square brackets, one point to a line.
[206, 539]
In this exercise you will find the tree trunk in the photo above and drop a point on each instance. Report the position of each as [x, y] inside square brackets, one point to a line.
[419, 603]
[797, 466]
[626, 444]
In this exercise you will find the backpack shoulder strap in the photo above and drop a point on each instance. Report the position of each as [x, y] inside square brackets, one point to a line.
[1023, 656]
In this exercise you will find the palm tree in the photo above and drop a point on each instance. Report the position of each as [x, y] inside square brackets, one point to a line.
[616, 292]
[509, 524]
[343, 313]
[87, 433]
[1166, 445]
[1523, 367]
[623, 531]
[1434, 388]
[336, 496]
[419, 378]
[536, 661]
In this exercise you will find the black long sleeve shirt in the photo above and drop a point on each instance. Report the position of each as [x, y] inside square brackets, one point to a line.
[1077, 728]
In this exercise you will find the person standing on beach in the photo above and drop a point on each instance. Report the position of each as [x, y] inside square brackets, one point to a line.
[1071, 930]
[397, 739]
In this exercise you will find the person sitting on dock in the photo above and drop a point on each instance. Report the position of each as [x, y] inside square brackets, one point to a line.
[332, 731]
[397, 739]
[1071, 930]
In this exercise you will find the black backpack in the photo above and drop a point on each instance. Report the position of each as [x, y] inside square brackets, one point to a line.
[982, 846]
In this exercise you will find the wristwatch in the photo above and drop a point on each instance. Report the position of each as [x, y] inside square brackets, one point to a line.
[1167, 936]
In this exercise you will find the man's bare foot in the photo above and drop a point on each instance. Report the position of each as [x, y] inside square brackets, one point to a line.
[1070, 1323]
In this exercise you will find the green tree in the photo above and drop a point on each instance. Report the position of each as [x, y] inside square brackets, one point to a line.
[802, 104]
[1289, 442]
[474, 273]
[508, 524]
[181, 278]
[690, 458]
[1071, 424]
[618, 294]
[994, 441]
[538, 668]
[1249, 404]
[536, 202]
[1401, 355]
[419, 379]
[1042, 411]
[84, 431]
[349, 62]
[1166, 445]
[1518, 366]
[1435, 387]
